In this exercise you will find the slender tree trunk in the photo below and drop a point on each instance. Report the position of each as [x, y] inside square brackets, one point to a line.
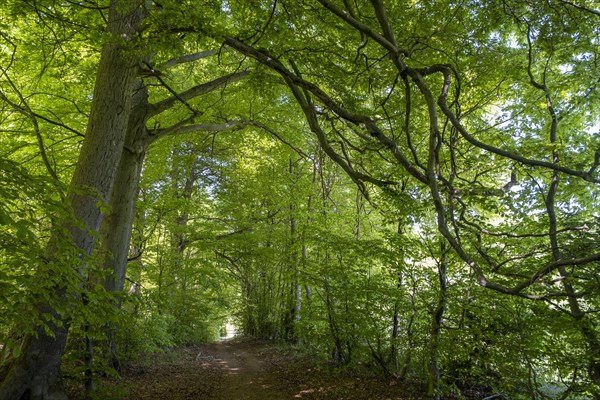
[340, 353]
[180, 240]
[433, 387]
[395, 327]
[90, 385]
[36, 372]
[396, 316]
[304, 257]
[409, 335]
[296, 289]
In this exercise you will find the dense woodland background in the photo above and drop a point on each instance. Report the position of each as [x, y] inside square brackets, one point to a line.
[410, 185]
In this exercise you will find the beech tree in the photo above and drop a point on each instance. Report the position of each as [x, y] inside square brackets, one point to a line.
[399, 104]
[377, 180]
[133, 99]
[36, 367]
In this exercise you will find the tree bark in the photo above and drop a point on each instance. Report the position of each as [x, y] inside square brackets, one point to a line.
[291, 321]
[433, 387]
[117, 226]
[180, 240]
[35, 372]
[409, 335]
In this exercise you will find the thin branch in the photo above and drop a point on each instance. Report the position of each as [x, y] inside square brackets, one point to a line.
[229, 234]
[279, 137]
[305, 101]
[174, 93]
[519, 236]
[504, 153]
[182, 127]
[196, 91]
[59, 124]
[594, 12]
[83, 5]
[188, 58]
[554, 266]
[234, 268]
[530, 62]
[264, 28]
[26, 110]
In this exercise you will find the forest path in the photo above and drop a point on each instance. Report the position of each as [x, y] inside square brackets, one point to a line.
[244, 375]
[242, 370]
[224, 370]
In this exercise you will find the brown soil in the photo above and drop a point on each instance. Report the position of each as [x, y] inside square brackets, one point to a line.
[243, 375]
[243, 370]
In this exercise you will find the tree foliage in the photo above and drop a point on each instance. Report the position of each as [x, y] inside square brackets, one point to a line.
[375, 180]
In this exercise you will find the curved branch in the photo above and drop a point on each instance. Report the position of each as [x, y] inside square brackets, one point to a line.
[582, 8]
[293, 80]
[311, 116]
[504, 153]
[363, 28]
[302, 91]
[554, 266]
[278, 137]
[384, 21]
[588, 176]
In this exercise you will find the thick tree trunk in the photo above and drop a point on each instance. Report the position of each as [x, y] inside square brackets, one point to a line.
[116, 230]
[36, 371]
[117, 226]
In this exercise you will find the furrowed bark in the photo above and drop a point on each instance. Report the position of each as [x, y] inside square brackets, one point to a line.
[35, 372]
[117, 226]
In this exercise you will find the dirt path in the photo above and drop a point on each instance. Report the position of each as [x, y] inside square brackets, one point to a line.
[245, 376]
[240, 370]
[226, 370]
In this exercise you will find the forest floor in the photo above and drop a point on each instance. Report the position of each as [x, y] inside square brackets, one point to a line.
[243, 370]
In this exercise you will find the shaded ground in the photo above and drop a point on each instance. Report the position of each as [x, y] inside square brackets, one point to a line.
[242, 374]
[244, 370]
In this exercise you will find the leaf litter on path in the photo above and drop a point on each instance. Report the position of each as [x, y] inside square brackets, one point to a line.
[243, 370]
